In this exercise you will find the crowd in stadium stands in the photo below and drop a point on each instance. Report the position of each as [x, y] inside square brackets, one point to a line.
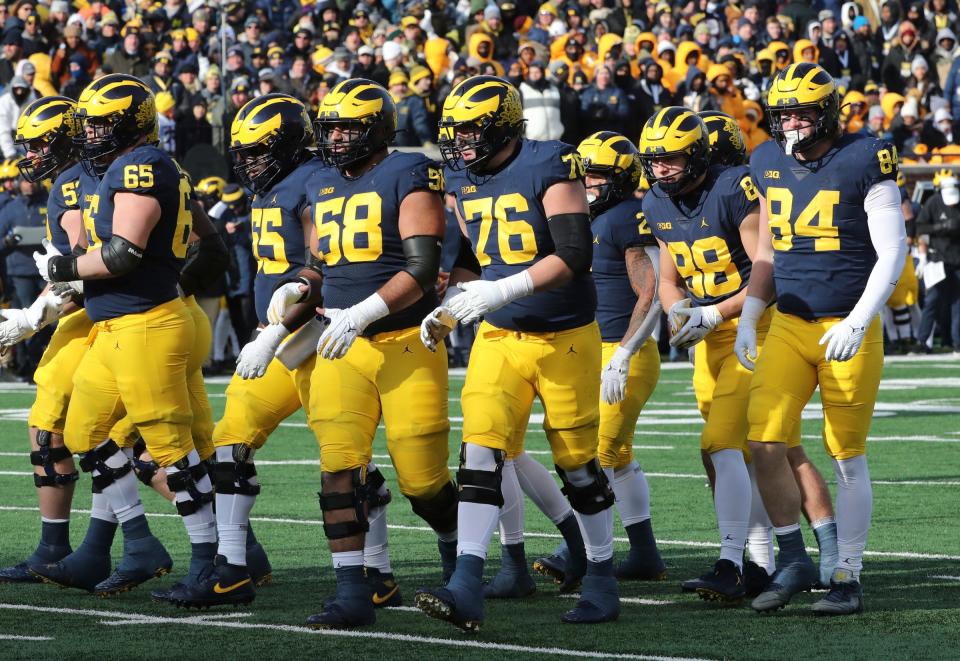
[581, 66]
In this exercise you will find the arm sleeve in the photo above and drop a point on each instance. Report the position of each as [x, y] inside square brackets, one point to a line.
[653, 314]
[885, 222]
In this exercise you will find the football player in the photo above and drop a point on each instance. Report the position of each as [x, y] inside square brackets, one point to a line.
[523, 205]
[271, 137]
[379, 222]
[728, 148]
[138, 229]
[705, 221]
[45, 130]
[625, 265]
[831, 218]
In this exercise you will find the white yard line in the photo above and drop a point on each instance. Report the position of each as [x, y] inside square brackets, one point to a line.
[10, 636]
[121, 617]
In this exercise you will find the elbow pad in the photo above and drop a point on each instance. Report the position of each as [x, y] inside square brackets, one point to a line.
[466, 258]
[120, 256]
[423, 259]
[204, 265]
[572, 239]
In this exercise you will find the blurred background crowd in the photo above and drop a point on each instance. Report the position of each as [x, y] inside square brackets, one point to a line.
[580, 65]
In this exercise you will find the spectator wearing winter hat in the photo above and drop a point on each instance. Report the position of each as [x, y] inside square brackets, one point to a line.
[72, 43]
[33, 39]
[14, 99]
[944, 54]
[128, 59]
[922, 84]
[12, 53]
[78, 70]
[896, 66]
[939, 130]
[541, 104]
[906, 127]
[875, 121]
[603, 105]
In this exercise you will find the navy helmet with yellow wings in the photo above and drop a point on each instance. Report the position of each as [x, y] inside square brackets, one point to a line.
[675, 131]
[46, 130]
[489, 111]
[727, 146]
[355, 120]
[268, 139]
[209, 190]
[800, 86]
[616, 158]
[114, 112]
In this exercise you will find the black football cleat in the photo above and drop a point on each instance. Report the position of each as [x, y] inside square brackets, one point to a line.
[599, 601]
[845, 596]
[351, 607]
[44, 554]
[789, 580]
[442, 604]
[755, 579]
[385, 591]
[220, 584]
[724, 584]
[83, 569]
[258, 564]
[142, 560]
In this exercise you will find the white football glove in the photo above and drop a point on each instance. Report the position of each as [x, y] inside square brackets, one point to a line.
[346, 325]
[699, 322]
[285, 296]
[256, 354]
[613, 378]
[745, 346]
[921, 264]
[674, 320]
[480, 297]
[436, 326]
[843, 339]
[42, 259]
[21, 323]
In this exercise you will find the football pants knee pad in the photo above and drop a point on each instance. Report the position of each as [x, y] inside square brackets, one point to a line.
[96, 460]
[438, 510]
[355, 500]
[481, 474]
[587, 488]
[234, 477]
[144, 469]
[184, 480]
[375, 480]
[46, 457]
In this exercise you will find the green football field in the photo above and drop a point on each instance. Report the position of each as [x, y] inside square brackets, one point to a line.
[911, 574]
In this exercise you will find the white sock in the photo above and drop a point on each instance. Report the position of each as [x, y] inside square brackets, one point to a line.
[540, 487]
[633, 494]
[122, 494]
[347, 559]
[100, 508]
[731, 500]
[201, 525]
[376, 554]
[759, 538]
[476, 521]
[597, 529]
[233, 515]
[854, 507]
[511, 514]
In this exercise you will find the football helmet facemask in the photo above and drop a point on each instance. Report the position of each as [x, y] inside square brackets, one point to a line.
[113, 113]
[803, 86]
[611, 156]
[46, 131]
[675, 131]
[482, 115]
[268, 139]
[356, 119]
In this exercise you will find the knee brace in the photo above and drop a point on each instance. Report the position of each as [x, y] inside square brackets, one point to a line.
[355, 500]
[481, 486]
[233, 477]
[46, 457]
[185, 480]
[144, 470]
[593, 494]
[439, 510]
[96, 460]
[375, 480]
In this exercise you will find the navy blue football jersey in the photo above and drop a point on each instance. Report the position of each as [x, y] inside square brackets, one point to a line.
[151, 172]
[278, 242]
[818, 225]
[357, 225]
[508, 229]
[64, 197]
[702, 232]
[615, 231]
